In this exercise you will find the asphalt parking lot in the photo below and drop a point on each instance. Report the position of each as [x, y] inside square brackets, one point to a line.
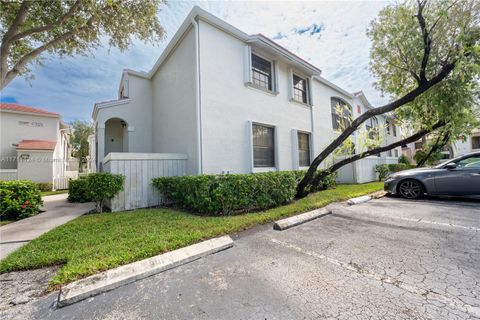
[384, 259]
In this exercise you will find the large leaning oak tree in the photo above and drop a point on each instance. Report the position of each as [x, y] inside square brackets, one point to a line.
[28, 29]
[426, 58]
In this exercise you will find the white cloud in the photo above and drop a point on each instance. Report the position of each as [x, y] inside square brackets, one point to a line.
[341, 49]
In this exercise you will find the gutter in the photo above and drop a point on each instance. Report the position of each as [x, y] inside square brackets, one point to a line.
[198, 104]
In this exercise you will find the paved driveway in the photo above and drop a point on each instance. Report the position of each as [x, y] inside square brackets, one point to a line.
[385, 259]
[57, 212]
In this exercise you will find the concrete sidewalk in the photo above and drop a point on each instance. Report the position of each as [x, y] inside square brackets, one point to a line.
[57, 212]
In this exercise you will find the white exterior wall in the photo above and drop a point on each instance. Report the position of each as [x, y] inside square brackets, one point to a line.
[12, 132]
[228, 106]
[174, 111]
[38, 167]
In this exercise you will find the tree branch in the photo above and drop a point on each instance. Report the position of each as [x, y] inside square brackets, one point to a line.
[50, 26]
[6, 39]
[412, 95]
[375, 151]
[437, 146]
[20, 65]
[427, 41]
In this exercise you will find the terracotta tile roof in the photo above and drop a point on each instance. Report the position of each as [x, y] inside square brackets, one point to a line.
[36, 145]
[20, 108]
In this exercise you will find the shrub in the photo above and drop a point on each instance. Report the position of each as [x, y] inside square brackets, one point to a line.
[19, 199]
[45, 186]
[103, 186]
[232, 193]
[77, 191]
[404, 159]
[385, 169]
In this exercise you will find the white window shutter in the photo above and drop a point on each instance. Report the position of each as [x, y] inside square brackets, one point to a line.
[295, 159]
[250, 143]
[247, 64]
[290, 84]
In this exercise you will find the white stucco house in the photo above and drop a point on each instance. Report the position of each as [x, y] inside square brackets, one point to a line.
[231, 103]
[35, 145]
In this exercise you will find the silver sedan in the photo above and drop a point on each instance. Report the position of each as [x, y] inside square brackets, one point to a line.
[457, 177]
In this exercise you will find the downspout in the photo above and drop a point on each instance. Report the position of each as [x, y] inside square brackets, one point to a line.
[198, 104]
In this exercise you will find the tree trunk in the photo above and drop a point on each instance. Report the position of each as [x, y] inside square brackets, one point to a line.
[319, 177]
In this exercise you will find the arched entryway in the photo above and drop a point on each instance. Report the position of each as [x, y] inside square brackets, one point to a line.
[116, 135]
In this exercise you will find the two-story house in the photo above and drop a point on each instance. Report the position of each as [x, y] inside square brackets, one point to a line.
[35, 145]
[232, 102]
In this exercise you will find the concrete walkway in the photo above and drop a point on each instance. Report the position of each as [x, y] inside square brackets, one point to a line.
[57, 212]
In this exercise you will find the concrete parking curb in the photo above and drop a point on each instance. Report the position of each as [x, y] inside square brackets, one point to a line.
[114, 278]
[362, 199]
[299, 219]
[359, 200]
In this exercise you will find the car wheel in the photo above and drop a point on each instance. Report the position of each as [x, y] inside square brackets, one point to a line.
[411, 189]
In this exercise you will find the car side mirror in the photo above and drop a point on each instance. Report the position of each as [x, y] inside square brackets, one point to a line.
[451, 166]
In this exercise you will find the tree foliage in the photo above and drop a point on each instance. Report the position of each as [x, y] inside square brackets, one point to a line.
[81, 131]
[68, 27]
[425, 56]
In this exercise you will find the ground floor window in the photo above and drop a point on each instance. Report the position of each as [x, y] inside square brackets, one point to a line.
[303, 149]
[263, 146]
[475, 142]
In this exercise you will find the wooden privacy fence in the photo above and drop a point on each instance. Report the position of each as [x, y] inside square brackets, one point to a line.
[139, 169]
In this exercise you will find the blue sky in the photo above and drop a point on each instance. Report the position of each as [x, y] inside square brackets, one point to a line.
[331, 35]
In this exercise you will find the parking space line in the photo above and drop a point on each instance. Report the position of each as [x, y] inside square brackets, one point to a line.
[351, 266]
[419, 220]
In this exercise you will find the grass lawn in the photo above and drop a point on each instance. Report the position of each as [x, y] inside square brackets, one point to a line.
[50, 193]
[97, 242]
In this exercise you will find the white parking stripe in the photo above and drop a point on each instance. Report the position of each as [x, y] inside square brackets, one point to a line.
[421, 220]
[427, 294]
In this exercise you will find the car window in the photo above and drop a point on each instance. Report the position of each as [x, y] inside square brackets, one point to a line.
[472, 162]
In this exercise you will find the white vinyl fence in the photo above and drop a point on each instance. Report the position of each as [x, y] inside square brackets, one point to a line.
[363, 170]
[139, 169]
[8, 174]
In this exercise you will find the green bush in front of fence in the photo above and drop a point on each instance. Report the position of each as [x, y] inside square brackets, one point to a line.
[19, 199]
[97, 187]
[45, 186]
[385, 169]
[77, 191]
[232, 193]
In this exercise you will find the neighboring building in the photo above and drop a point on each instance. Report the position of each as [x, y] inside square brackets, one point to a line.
[459, 147]
[35, 145]
[232, 102]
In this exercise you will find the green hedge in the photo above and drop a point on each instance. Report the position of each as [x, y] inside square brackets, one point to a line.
[385, 169]
[96, 187]
[45, 186]
[19, 199]
[232, 193]
[77, 191]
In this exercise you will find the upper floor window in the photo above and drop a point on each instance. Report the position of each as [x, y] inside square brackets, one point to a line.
[263, 146]
[372, 128]
[387, 125]
[341, 113]
[262, 72]
[394, 130]
[300, 89]
[303, 149]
